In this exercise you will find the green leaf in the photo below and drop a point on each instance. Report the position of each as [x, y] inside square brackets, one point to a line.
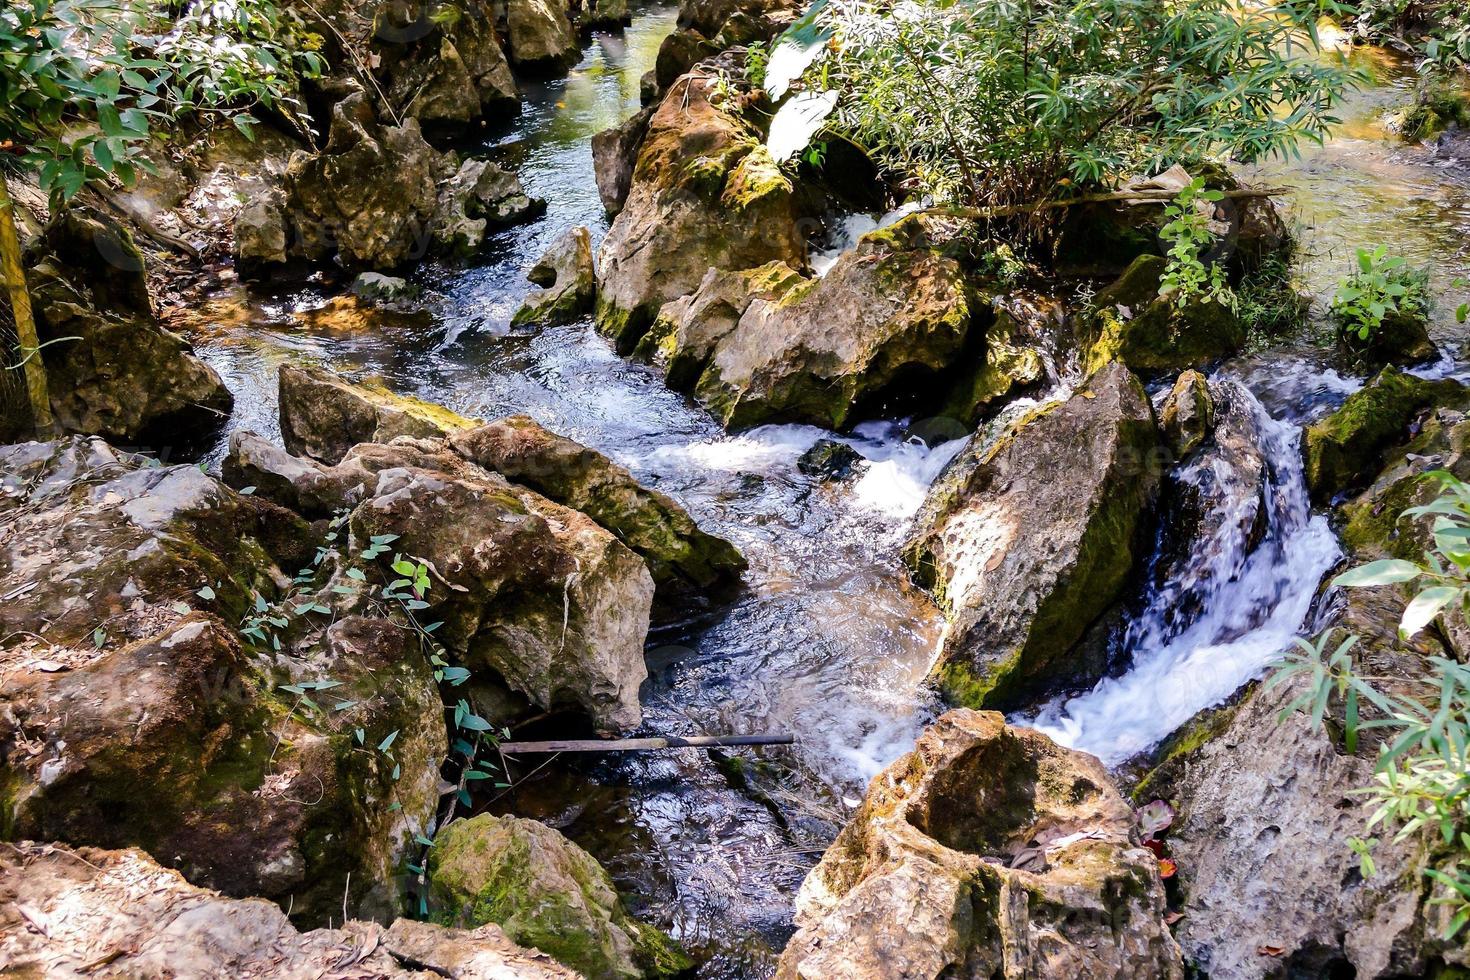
[1425, 606]
[387, 742]
[1388, 571]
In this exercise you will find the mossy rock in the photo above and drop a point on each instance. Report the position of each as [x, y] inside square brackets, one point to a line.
[1345, 449]
[1154, 334]
[545, 892]
[1401, 338]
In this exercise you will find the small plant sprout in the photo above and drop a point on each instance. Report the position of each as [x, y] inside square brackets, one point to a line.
[1186, 276]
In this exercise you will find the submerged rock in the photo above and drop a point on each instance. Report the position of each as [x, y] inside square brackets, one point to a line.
[323, 416]
[567, 279]
[91, 912]
[111, 369]
[1344, 450]
[830, 460]
[988, 851]
[1028, 538]
[546, 893]
[890, 316]
[704, 193]
[1153, 333]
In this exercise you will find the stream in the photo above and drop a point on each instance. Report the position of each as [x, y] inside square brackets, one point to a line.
[831, 642]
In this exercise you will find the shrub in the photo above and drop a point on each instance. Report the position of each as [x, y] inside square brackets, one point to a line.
[1381, 286]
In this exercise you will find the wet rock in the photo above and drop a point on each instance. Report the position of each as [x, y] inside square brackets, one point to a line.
[137, 721]
[1344, 450]
[447, 69]
[680, 556]
[614, 155]
[687, 330]
[262, 234]
[1028, 537]
[540, 36]
[988, 851]
[709, 17]
[376, 287]
[703, 194]
[568, 283]
[1010, 364]
[111, 369]
[830, 460]
[323, 416]
[1152, 333]
[480, 197]
[678, 53]
[66, 912]
[890, 316]
[1188, 414]
[547, 893]
[605, 15]
[1401, 338]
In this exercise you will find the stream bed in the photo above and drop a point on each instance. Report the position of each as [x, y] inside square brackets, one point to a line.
[830, 642]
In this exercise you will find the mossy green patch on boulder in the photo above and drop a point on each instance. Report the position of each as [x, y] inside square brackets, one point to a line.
[1345, 449]
[1154, 334]
[1401, 337]
[545, 892]
[568, 283]
[1007, 367]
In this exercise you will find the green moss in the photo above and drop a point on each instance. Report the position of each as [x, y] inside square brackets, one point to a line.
[965, 685]
[756, 177]
[1149, 334]
[1179, 748]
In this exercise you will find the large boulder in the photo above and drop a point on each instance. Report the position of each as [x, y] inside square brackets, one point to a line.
[323, 416]
[1030, 536]
[888, 318]
[111, 369]
[134, 716]
[444, 65]
[704, 193]
[540, 37]
[90, 912]
[1012, 362]
[546, 893]
[680, 556]
[988, 851]
[1157, 334]
[1345, 449]
[567, 281]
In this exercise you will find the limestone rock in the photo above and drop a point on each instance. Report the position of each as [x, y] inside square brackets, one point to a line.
[891, 313]
[540, 36]
[448, 69]
[1154, 334]
[605, 15]
[567, 279]
[1028, 537]
[546, 893]
[480, 197]
[614, 155]
[1011, 363]
[986, 852]
[112, 370]
[703, 194]
[91, 912]
[1188, 414]
[680, 556]
[323, 416]
[1401, 338]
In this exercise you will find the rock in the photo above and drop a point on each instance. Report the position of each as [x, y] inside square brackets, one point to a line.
[1153, 334]
[703, 194]
[680, 556]
[988, 851]
[1401, 338]
[687, 330]
[164, 730]
[606, 15]
[890, 315]
[1189, 413]
[1345, 449]
[614, 155]
[66, 912]
[481, 196]
[262, 235]
[1011, 363]
[710, 17]
[567, 279]
[446, 69]
[323, 416]
[1027, 539]
[829, 459]
[376, 287]
[678, 53]
[540, 36]
[369, 196]
[111, 369]
[546, 893]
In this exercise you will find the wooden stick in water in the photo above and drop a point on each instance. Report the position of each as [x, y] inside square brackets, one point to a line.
[642, 744]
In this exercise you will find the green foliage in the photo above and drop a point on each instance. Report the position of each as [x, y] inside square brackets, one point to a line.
[1382, 285]
[1187, 229]
[1421, 781]
[1008, 103]
[84, 82]
[1268, 303]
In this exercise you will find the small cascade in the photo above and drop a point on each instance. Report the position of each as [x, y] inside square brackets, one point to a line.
[1219, 606]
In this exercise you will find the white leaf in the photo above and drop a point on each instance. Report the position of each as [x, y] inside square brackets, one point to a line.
[1386, 572]
[797, 121]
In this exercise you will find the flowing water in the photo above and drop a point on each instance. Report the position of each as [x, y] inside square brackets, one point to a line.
[830, 642]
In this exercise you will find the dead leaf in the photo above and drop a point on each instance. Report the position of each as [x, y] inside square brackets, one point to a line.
[1172, 918]
[1167, 867]
[1270, 950]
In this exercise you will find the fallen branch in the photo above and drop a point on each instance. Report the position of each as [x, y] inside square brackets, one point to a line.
[642, 744]
[1138, 197]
